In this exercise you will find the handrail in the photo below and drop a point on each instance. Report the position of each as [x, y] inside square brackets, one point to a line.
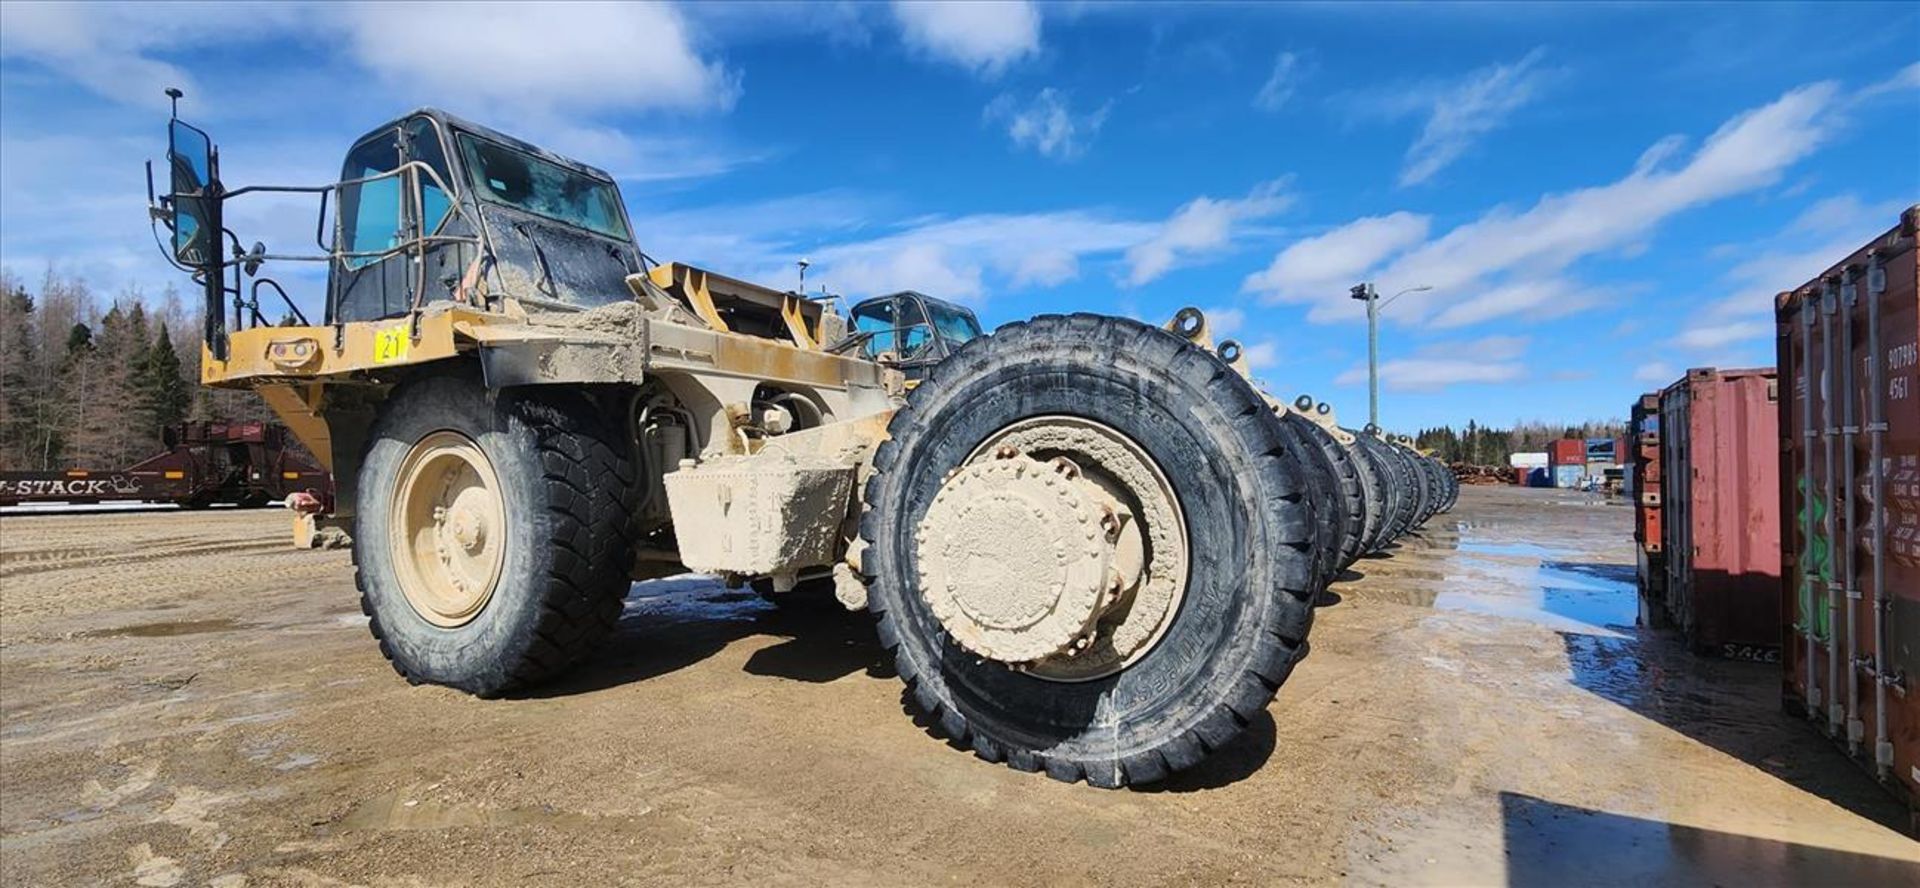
[413, 221]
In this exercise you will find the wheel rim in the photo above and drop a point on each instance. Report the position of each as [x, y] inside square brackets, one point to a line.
[450, 543]
[1135, 619]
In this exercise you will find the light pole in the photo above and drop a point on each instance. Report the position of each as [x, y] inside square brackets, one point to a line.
[1366, 293]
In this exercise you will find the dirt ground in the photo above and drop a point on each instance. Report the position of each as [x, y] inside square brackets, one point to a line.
[185, 700]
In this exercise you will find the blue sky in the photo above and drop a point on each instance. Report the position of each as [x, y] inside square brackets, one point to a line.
[1600, 196]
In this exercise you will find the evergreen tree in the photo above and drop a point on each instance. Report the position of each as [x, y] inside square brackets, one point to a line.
[163, 387]
[19, 397]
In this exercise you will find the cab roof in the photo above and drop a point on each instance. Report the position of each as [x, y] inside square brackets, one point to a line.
[455, 122]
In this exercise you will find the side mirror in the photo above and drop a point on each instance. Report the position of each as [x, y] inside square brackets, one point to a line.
[190, 155]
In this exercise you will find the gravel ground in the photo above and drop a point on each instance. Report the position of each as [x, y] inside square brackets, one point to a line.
[186, 701]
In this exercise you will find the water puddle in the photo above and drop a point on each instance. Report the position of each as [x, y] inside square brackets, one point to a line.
[166, 629]
[694, 599]
[1520, 549]
[1569, 597]
[1488, 571]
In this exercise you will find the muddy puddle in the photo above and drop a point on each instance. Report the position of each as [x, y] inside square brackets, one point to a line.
[167, 629]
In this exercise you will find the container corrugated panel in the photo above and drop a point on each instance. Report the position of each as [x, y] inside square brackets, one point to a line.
[1643, 467]
[1721, 521]
[1848, 345]
[1567, 452]
[1568, 476]
[1527, 460]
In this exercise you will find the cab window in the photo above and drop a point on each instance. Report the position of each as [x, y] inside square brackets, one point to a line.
[876, 319]
[370, 211]
[423, 145]
[916, 337]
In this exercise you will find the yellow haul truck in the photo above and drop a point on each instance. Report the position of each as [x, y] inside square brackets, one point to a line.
[1089, 543]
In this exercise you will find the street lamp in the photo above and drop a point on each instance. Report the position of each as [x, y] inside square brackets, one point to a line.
[1366, 293]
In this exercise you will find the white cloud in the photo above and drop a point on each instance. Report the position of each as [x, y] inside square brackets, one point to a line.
[1046, 268]
[1505, 248]
[1262, 354]
[953, 258]
[1491, 359]
[1324, 266]
[1202, 225]
[1656, 372]
[580, 58]
[1224, 321]
[1464, 114]
[1738, 311]
[538, 58]
[983, 36]
[1047, 123]
[1538, 297]
[1280, 85]
[1903, 80]
[1721, 335]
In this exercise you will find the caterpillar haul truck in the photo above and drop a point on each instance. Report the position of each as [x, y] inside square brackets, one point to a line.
[1088, 542]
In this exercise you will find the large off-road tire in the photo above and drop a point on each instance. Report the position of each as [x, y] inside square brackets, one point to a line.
[1433, 485]
[1350, 513]
[1323, 492]
[1245, 602]
[1376, 504]
[1399, 482]
[1450, 484]
[1418, 484]
[494, 535]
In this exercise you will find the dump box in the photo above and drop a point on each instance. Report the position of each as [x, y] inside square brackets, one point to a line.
[1850, 494]
[1720, 525]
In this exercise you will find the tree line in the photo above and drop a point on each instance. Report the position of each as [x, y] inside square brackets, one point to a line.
[1485, 446]
[87, 382]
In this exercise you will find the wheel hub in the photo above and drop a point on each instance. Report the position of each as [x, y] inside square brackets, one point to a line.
[448, 551]
[987, 562]
[1017, 557]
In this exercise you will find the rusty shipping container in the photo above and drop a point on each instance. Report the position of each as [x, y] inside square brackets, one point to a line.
[1567, 452]
[1720, 521]
[1643, 468]
[1850, 491]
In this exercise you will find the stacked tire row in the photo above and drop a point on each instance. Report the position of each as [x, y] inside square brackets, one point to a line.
[1379, 488]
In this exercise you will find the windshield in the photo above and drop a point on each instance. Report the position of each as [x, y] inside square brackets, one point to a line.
[519, 179]
[955, 326]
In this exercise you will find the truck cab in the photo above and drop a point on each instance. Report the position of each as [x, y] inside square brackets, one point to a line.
[913, 330]
[555, 230]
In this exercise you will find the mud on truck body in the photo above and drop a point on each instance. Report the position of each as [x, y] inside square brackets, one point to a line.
[1091, 545]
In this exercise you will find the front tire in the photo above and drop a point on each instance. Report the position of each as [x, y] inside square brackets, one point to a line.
[494, 534]
[1245, 603]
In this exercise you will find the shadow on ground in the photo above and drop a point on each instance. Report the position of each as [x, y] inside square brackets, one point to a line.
[1731, 706]
[671, 624]
[1548, 843]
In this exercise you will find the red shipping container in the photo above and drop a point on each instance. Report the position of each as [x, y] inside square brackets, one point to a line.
[1567, 452]
[1720, 471]
[1643, 467]
[1849, 353]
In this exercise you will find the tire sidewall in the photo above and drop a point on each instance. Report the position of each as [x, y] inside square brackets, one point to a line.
[474, 655]
[1242, 584]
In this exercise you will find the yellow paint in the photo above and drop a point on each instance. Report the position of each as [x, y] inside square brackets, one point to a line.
[249, 352]
[298, 407]
[390, 345]
[796, 323]
[290, 476]
[175, 475]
